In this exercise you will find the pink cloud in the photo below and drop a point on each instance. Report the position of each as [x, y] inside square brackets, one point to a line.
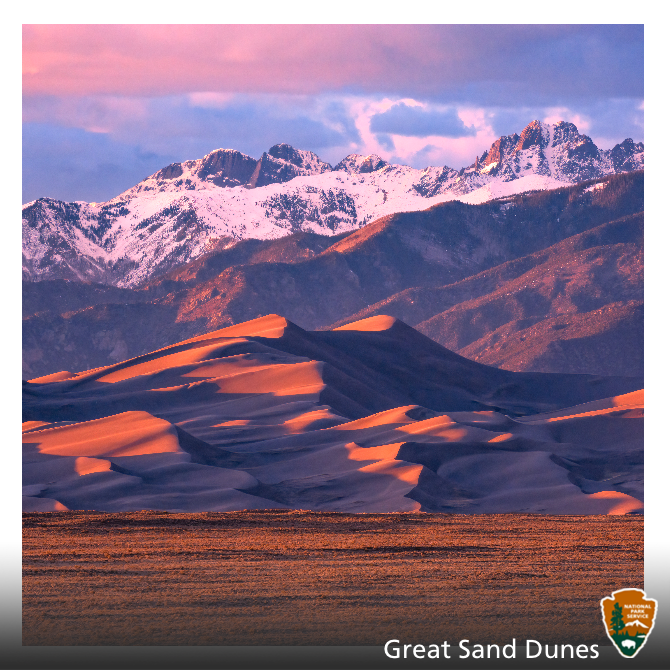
[422, 61]
[422, 151]
[556, 114]
[169, 59]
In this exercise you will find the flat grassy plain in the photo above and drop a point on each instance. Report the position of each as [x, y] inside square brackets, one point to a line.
[287, 577]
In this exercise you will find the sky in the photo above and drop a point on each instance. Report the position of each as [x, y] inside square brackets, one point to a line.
[106, 105]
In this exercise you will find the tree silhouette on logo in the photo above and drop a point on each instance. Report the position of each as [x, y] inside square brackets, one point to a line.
[616, 622]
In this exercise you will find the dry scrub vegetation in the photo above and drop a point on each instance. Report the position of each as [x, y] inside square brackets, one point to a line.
[303, 578]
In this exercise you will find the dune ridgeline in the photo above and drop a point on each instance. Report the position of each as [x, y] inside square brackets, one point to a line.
[368, 417]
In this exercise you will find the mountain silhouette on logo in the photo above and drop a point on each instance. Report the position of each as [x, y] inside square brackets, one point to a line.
[636, 623]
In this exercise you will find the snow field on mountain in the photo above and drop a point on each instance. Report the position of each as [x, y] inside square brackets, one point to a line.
[494, 190]
[174, 215]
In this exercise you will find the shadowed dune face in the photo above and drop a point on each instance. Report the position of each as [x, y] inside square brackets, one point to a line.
[370, 417]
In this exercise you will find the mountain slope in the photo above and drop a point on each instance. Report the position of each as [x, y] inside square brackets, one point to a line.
[608, 340]
[317, 280]
[542, 312]
[181, 211]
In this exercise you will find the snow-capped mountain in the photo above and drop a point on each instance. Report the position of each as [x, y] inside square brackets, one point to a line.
[636, 622]
[184, 209]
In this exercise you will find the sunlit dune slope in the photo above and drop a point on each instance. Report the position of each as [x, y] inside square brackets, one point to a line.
[369, 417]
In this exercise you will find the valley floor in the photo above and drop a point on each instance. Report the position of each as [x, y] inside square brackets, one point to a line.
[285, 577]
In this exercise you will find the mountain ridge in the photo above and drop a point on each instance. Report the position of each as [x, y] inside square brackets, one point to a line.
[529, 312]
[184, 209]
[318, 281]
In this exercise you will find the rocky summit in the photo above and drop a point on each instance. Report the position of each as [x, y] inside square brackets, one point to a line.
[187, 209]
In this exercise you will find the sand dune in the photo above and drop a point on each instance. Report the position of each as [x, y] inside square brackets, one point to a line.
[370, 417]
[127, 434]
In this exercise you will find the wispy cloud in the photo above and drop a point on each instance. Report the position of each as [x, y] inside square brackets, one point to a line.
[419, 121]
[480, 63]
[135, 96]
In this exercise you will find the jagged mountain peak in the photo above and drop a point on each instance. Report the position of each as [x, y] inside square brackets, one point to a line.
[358, 164]
[307, 160]
[217, 153]
[534, 134]
[628, 143]
[283, 163]
[555, 150]
[180, 211]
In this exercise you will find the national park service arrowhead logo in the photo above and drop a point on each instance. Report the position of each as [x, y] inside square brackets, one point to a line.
[629, 619]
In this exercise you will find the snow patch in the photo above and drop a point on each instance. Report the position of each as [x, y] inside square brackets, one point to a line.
[595, 187]
[163, 222]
